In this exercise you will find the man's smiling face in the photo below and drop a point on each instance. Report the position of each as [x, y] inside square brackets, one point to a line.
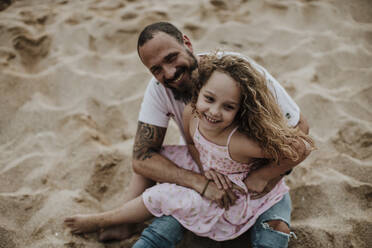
[170, 62]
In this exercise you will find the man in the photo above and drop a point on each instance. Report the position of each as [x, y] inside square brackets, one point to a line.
[168, 54]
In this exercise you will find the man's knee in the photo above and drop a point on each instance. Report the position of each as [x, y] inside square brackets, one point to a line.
[270, 233]
[279, 226]
[163, 232]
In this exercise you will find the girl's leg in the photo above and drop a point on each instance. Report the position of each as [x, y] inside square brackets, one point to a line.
[136, 187]
[139, 183]
[133, 211]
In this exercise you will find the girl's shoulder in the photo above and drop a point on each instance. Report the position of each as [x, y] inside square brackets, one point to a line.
[243, 148]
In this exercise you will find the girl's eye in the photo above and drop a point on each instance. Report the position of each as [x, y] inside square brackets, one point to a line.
[208, 98]
[229, 107]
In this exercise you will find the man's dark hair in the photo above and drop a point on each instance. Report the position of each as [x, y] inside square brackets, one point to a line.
[149, 31]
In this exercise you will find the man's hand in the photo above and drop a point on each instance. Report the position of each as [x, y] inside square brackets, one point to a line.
[222, 181]
[269, 186]
[255, 183]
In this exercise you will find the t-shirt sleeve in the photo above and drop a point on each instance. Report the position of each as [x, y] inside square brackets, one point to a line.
[154, 108]
[287, 105]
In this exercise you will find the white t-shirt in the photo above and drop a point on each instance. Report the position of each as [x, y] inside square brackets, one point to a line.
[159, 104]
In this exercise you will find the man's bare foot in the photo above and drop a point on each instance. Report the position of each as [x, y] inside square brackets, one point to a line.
[82, 223]
[116, 232]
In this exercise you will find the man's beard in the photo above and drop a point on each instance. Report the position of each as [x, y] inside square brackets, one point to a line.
[184, 94]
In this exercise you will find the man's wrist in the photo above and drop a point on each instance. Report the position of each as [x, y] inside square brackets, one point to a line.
[194, 181]
[205, 187]
[271, 171]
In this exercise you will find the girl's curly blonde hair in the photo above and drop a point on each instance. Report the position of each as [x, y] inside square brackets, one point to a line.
[259, 116]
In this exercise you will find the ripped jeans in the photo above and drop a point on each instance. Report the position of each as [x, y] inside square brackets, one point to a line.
[262, 235]
[166, 232]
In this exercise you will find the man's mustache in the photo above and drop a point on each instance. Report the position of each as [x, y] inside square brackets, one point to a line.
[176, 75]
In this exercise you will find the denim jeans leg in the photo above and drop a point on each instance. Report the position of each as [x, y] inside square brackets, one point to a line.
[262, 235]
[164, 232]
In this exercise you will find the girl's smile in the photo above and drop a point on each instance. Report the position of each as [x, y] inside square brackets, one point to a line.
[211, 119]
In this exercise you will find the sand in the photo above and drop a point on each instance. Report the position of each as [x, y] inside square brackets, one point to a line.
[71, 85]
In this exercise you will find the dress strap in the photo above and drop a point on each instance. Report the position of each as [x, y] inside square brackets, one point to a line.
[230, 135]
[197, 128]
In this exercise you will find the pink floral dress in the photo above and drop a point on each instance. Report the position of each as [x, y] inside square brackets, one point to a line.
[198, 214]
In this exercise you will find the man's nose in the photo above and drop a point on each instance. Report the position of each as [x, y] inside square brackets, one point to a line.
[169, 72]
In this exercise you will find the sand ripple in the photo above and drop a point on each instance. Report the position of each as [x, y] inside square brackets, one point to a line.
[72, 84]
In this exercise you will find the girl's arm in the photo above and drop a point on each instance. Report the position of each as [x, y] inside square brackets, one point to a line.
[245, 149]
[273, 170]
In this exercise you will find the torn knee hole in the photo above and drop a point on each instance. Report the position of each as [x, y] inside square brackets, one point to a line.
[277, 225]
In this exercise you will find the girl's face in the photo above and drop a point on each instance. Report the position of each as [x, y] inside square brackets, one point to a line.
[218, 101]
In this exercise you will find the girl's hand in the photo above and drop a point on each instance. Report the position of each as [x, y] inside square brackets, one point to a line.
[222, 181]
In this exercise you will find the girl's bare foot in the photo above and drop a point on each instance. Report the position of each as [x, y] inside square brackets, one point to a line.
[82, 223]
[117, 233]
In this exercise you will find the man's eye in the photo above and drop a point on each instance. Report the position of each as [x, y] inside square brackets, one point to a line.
[156, 71]
[171, 58]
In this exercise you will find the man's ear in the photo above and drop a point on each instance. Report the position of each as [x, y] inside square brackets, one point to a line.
[187, 42]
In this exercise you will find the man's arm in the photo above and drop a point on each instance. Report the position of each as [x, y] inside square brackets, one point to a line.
[274, 172]
[285, 164]
[148, 162]
[303, 125]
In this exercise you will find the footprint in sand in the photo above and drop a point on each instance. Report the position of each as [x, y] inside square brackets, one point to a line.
[196, 31]
[32, 50]
[355, 140]
[6, 237]
[129, 16]
[105, 169]
[3, 5]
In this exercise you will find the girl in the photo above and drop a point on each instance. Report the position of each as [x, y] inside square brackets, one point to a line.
[232, 122]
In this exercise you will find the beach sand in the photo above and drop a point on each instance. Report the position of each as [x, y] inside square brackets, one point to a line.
[71, 85]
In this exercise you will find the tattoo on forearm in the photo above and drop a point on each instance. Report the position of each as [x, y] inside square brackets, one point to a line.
[148, 141]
